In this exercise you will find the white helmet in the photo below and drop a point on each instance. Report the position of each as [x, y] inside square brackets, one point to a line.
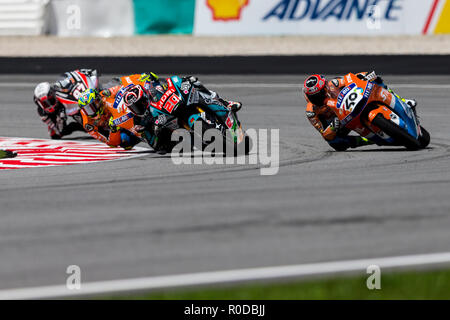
[45, 96]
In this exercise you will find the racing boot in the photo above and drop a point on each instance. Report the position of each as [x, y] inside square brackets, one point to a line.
[343, 143]
[54, 134]
[231, 105]
[71, 127]
[358, 141]
[234, 106]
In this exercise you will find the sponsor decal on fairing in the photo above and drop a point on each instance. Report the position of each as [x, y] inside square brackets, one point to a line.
[239, 17]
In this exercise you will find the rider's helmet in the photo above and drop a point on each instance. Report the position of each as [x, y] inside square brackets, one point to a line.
[315, 89]
[89, 101]
[45, 96]
[137, 100]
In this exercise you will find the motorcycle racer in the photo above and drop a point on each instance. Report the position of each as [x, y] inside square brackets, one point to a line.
[143, 101]
[97, 109]
[49, 99]
[157, 87]
[148, 123]
[318, 91]
[97, 119]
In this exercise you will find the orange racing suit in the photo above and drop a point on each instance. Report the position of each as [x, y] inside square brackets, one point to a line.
[98, 126]
[324, 119]
[101, 127]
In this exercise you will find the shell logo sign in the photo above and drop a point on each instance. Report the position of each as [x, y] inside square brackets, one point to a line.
[226, 9]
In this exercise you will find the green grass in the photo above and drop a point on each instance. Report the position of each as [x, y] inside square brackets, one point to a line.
[6, 154]
[405, 285]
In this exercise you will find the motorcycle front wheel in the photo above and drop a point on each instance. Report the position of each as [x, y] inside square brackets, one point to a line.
[399, 134]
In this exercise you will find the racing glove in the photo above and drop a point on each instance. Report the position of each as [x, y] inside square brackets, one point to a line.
[52, 127]
[191, 79]
[158, 124]
[335, 124]
[105, 93]
[148, 77]
[371, 76]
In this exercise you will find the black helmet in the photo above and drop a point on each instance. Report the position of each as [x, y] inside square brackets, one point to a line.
[137, 100]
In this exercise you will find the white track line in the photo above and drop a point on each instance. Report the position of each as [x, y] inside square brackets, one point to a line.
[255, 85]
[229, 276]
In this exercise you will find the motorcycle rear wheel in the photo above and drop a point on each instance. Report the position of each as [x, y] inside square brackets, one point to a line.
[229, 147]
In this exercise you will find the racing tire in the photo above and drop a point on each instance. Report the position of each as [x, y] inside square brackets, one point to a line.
[241, 149]
[167, 144]
[205, 127]
[398, 134]
[424, 139]
[248, 144]
[227, 145]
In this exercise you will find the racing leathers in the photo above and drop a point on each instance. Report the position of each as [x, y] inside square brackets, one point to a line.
[160, 125]
[327, 123]
[101, 127]
[54, 115]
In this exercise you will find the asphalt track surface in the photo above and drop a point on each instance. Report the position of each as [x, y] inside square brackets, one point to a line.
[148, 217]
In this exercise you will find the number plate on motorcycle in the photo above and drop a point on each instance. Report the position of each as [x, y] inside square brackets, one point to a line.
[350, 97]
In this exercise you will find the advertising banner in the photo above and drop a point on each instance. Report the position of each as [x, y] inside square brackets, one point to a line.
[321, 17]
[168, 16]
[235, 17]
[100, 18]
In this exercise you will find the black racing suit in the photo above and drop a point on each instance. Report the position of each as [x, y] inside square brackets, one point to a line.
[158, 136]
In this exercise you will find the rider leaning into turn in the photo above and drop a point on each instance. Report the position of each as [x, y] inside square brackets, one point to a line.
[51, 111]
[146, 89]
[317, 90]
[97, 119]
[141, 98]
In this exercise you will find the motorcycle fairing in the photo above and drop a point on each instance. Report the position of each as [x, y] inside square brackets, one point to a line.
[407, 119]
[361, 104]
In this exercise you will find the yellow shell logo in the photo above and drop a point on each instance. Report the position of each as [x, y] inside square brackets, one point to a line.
[226, 9]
